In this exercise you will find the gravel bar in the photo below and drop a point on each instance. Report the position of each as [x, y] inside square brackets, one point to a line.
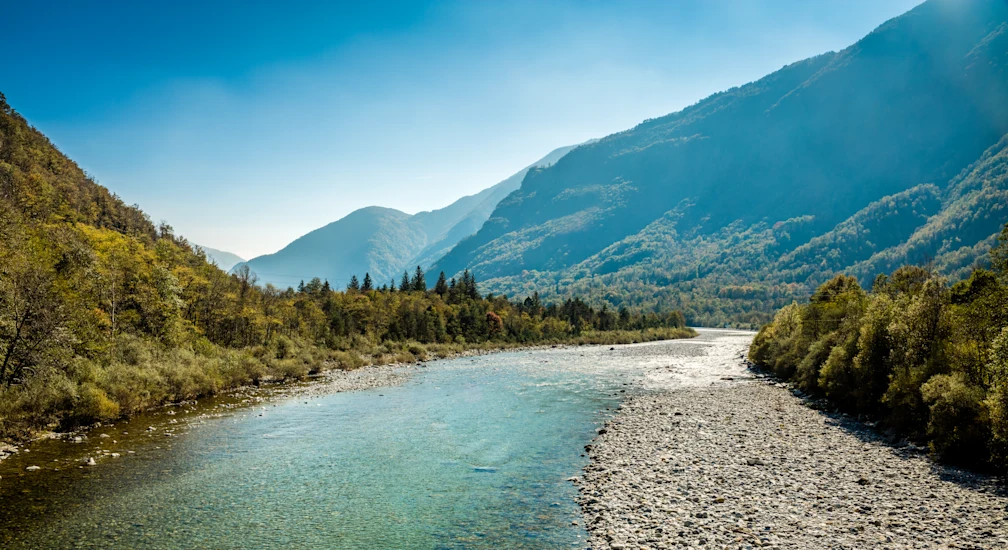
[741, 462]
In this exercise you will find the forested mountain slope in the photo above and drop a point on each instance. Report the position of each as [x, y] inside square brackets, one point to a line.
[385, 242]
[754, 196]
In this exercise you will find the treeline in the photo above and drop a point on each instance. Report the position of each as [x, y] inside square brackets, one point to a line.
[928, 360]
[104, 314]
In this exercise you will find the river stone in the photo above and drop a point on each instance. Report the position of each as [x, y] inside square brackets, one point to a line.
[757, 466]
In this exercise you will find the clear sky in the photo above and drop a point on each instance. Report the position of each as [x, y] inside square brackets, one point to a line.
[246, 124]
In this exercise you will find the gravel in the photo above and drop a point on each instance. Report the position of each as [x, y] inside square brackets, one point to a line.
[364, 378]
[730, 460]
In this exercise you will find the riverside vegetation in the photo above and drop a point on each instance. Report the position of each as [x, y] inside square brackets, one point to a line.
[103, 314]
[928, 360]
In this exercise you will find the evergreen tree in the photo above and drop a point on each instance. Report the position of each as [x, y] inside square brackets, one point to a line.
[453, 291]
[392, 287]
[419, 282]
[404, 284]
[354, 284]
[368, 285]
[469, 285]
[301, 286]
[325, 287]
[441, 287]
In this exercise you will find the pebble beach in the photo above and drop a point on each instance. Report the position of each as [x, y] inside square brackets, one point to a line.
[708, 454]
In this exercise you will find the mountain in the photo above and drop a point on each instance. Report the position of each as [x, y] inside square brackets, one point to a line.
[224, 260]
[848, 161]
[383, 241]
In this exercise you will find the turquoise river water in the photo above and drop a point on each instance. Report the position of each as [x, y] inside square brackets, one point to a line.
[468, 453]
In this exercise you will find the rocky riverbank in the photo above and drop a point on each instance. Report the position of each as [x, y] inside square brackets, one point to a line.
[740, 462]
[178, 418]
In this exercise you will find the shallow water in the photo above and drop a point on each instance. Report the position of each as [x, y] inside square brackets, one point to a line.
[469, 453]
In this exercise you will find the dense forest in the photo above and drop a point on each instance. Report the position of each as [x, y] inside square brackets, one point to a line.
[927, 359]
[753, 197]
[103, 314]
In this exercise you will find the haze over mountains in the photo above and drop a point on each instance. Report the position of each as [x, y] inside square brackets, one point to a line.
[890, 151]
[383, 241]
[224, 260]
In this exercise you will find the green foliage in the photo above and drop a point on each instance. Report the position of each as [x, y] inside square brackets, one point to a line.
[958, 425]
[102, 314]
[999, 254]
[928, 360]
[734, 207]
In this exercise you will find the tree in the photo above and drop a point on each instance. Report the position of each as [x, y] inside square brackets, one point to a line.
[404, 284]
[494, 325]
[419, 283]
[999, 254]
[441, 287]
[470, 285]
[353, 285]
[368, 284]
[31, 318]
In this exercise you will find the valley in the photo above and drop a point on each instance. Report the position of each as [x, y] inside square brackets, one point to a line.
[765, 306]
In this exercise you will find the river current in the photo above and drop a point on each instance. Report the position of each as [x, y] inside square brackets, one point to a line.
[468, 453]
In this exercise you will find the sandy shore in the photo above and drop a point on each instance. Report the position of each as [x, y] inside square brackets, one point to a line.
[697, 459]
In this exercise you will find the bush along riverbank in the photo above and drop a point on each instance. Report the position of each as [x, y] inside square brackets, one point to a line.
[136, 373]
[103, 314]
[928, 360]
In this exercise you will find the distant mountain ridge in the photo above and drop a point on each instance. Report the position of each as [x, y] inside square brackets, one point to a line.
[384, 242]
[224, 260]
[889, 151]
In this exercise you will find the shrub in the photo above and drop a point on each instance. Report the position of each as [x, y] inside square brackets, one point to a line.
[93, 405]
[958, 424]
[928, 361]
[284, 347]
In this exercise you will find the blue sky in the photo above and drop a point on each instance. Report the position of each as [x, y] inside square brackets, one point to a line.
[246, 125]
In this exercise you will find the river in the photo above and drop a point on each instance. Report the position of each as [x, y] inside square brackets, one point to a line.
[467, 453]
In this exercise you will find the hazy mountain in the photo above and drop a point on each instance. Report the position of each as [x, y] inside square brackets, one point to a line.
[745, 200]
[384, 242]
[224, 260]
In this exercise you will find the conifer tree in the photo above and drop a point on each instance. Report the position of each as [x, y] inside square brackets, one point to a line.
[468, 286]
[419, 282]
[441, 287]
[354, 284]
[404, 284]
[368, 284]
[453, 291]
